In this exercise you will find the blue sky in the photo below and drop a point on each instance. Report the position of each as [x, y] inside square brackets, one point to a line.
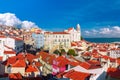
[94, 16]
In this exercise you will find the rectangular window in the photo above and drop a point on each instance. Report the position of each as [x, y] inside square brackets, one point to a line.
[64, 40]
[55, 40]
[59, 40]
[68, 40]
[0, 41]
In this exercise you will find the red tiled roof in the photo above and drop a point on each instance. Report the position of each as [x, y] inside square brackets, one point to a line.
[31, 68]
[74, 63]
[27, 56]
[60, 75]
[94, 62]
[62, 61]
[85, 65]
[70, 29]
[103, 50]
[48, 33]
[30, 57]
[19, 63]
[38, 64]
[48, 58]
[118, 61]
[1, 58]
[112, 59]
[60, 33]
[113, 72]
[17, 38]
[75, 75]
[21, 56]
[94, 51]
[107, 57]
[1, 36]
[87, 54]
[10, 60]
[15, 76]
[9, 52]
[73, 44]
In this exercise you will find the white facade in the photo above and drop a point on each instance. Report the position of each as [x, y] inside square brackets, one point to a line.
[75, 34]
[2, 42]
[48, 41]
[10, 46]
[15, 44]
[98, 74]
[61, 39]
[64, 39]
[114, 53]
[57, 40]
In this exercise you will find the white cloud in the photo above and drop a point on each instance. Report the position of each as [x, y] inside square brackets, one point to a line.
[87, 32]
[113, 31]
[10, 19]
[116, 28]
[28, 24]
[94, 31]
[105, 31]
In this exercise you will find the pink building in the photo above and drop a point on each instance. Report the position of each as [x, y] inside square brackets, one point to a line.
[60, 65]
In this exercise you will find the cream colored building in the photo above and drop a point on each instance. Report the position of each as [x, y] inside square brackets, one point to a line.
[57, 40]
[75, 34]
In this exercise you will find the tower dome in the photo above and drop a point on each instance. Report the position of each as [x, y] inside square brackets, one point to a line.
[78, 28]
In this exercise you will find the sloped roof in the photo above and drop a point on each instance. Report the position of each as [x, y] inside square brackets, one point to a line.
[62, 61]
[113, 72]
[60, 33]
[31, 68]
[19, 63]
[15, 76]
[76, 75]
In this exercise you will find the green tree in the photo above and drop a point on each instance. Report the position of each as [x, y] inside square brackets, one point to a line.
[81, 37]
[63, 51]
[71, 52]
[57, 52]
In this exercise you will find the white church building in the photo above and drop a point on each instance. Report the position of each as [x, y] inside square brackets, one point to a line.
[53, 40]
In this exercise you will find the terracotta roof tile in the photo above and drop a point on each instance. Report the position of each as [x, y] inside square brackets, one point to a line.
[19, 63]
[31, 68]
[85, 65]
[113, 72]
[38, 64]
[15, 76]
[73, 44]
[118, 61]
[74, 63]
[60, 75]
[62, 61]
[48, 58]
[87, 54]
[9, 52]
[75, 75]
[1, 58]
[10, 60]
[1, 36]
[60, 33]
[70, 29]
